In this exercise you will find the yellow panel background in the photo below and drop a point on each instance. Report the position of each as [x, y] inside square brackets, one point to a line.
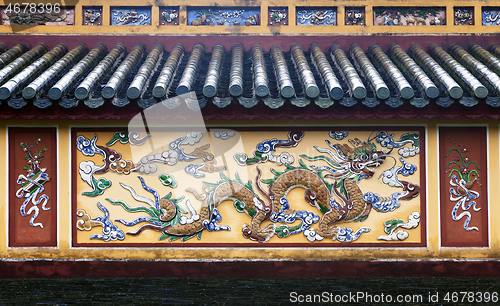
[249, 140]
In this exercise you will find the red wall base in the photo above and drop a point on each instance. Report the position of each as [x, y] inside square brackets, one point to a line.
[247, 269]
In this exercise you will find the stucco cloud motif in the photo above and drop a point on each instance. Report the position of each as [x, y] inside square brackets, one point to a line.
[400, 235]
[131, 138]
[171, 157]
[135, 140]
[264, 151]
[211, 225]
[312, 236]
[386, 140]
[193, 170]
[283, 159]
[383, 204]
[287, 216]
[390, 176]
[88, 147]
[408, 152]
[395, 236]
[146, 168]
[406, 169]
[346, 234]
[338, 135]
[87, 169]
[224, 134]
[109, 230]
[192, 138]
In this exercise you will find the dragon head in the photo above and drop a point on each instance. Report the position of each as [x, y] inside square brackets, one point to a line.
[363, 156]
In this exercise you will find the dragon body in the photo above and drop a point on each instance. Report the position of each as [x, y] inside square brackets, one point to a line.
[332, 189]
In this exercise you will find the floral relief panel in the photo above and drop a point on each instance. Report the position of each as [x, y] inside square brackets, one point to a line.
[491, 16]
[132, 16]
[40, 15]
[464, 186]
[223, 16]
[245, 188]
[92, 15]
[464, 15]
[409, 16]
[169, 15]
[316, 16]
[32, 187]
[355, 16]
[278, 16]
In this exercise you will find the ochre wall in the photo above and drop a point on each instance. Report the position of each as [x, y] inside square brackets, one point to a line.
[226, 151]
[264, 28]
[434, 175]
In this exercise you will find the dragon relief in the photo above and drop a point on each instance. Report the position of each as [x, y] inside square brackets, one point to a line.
[333, 189]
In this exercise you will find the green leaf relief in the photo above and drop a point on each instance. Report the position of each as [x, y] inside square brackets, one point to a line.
[163, 236]
[252, 212]
[323, 209]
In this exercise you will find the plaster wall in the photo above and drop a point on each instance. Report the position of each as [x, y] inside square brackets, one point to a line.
[433, 217]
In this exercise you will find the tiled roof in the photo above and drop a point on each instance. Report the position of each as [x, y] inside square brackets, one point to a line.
[304, 81]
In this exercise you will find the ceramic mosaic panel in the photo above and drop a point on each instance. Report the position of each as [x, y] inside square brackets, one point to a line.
[223, 16]
[92, 15]
[46, 15]
[491, 16]
[278, 16]
[355, 16]
[316, 16]
[248, 188]
[464, 186]
[464, 15]
[409, 16]
[32, 187]
[169, 15]
[133, 16]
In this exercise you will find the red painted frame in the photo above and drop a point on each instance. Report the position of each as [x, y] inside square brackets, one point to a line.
[46, 237]
[423, 214]
[452, 232]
